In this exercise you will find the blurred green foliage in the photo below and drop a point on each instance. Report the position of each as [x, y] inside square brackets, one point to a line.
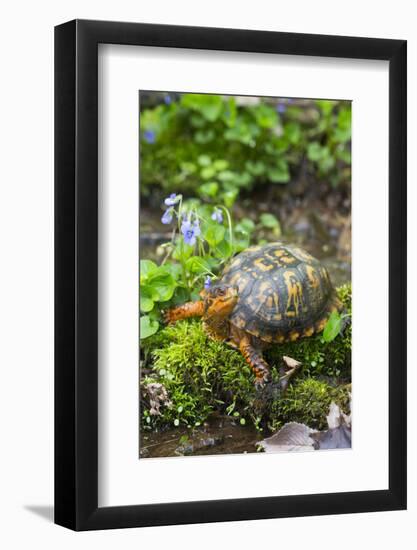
[218, 146]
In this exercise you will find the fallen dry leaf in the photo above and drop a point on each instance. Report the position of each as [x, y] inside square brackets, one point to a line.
[291, 437]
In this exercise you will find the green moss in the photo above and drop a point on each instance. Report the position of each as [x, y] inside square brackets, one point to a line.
[202, 376]
[308, 401]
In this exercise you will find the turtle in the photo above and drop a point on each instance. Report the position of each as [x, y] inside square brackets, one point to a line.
[269, 294]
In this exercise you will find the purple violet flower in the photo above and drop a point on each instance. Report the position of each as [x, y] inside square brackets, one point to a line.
[167, 99]
[149, 136]
[172, 199]
[217, 215]
[167, 216]
[207, 282]
[190, 231]
[281, 108]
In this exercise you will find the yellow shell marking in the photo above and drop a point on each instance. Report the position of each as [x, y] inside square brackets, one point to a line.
[284, 257]
[324, 273]
[321, 324]
[263, 267]
[294, 336]
[303, 255]
[287, 260]
[312, 276]
[295, 293]
[308, 331]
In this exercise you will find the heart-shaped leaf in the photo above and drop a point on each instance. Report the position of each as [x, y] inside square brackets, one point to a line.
[146, 299]
[214, 233]
[147, 327]
[164, 284]
[147, 268]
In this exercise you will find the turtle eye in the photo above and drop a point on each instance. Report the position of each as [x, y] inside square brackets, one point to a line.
[221, 292]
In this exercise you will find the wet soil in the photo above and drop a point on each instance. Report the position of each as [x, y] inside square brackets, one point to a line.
[219, 435]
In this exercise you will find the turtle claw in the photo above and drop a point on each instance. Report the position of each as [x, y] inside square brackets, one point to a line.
[263, 377]
[260, 383]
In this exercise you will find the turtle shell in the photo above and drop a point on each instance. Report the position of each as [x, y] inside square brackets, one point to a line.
[284, 293]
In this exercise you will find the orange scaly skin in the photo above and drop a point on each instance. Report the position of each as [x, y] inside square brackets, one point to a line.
[190, 309]
[255, 360]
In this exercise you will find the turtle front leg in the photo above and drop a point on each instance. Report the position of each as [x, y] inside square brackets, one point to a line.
[189, 309]
[254, 357]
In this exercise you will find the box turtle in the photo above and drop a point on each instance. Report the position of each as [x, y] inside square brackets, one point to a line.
[267, 294]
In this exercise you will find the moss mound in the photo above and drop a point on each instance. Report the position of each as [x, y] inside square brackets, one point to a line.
[202, 376]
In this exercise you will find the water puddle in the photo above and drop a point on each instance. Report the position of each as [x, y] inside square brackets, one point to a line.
[218, 435]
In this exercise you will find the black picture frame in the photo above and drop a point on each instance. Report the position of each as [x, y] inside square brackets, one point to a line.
[76, 271]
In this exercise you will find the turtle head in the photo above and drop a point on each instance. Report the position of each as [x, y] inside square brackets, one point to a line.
[219, 300]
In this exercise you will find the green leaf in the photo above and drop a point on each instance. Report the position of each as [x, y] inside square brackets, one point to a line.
[220, 164]
[208, 105]
[188, 167]
[326, 164]
[147, 327]
[344, 155]
[146, 299]
[182, 251]
[246, 225]
[333, 327]
[241, 243]
[255, 168]
[207, 172]
[293, 132]
[279, 173]
[204, 160]
[326, 106]
[196, 264]
[224, 249]
[181, 295]
[147, 267]
[341, 135]
[344, 118]
[214, 234]
[243, 132]
[209, 189]
[230, 112]
[202, 137]
[197, 121]
[243, 179]
[269, 221]
[226, 175]
[316, 152]
[164, 284]
[229, 197]
[172, 269]
[265, 115]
